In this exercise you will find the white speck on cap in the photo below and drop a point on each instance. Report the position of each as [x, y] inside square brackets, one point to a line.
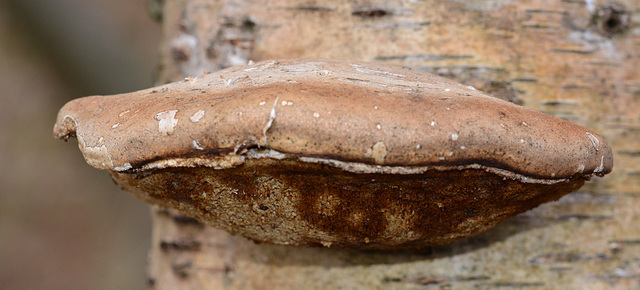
[594, 141]
[167, 121]
[197, 116]
[197, 145]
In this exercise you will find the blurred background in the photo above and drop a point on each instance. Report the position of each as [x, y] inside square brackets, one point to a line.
[63, 224]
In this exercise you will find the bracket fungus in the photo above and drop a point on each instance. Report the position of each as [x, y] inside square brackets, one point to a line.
[333, 153]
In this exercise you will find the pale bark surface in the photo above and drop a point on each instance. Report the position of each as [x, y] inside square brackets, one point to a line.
[577, 60]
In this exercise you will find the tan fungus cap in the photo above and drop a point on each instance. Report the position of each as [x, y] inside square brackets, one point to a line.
[326, 111]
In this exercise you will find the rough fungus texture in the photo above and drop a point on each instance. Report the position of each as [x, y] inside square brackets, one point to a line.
[292, 203]
[334, 153]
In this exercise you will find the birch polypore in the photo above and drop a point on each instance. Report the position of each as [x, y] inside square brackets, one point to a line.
[334, 153]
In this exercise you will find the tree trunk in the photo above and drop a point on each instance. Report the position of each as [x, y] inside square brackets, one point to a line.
[577, 60]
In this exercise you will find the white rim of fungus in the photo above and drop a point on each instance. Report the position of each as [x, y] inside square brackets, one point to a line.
[230, 161]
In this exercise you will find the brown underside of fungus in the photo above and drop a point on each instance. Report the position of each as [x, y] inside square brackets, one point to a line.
[333, 153]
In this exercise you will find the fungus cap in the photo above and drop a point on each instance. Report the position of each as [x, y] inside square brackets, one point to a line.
[334, 152]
